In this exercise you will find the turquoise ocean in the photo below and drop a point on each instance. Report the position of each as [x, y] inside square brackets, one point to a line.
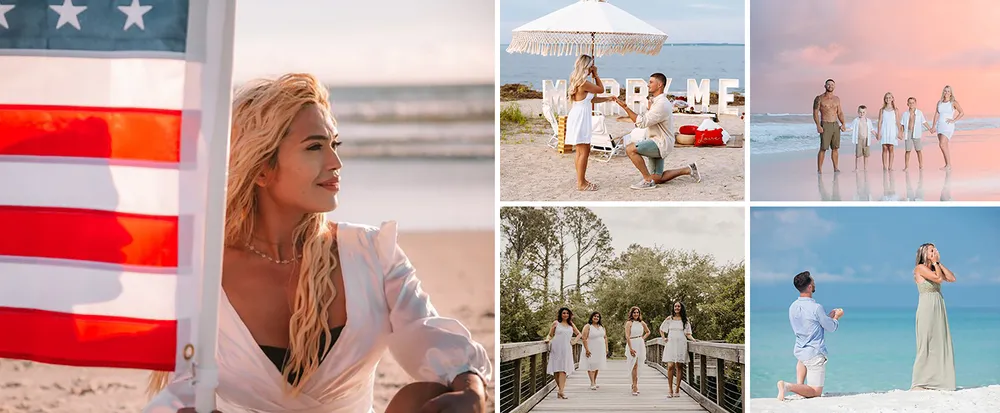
[873, 350]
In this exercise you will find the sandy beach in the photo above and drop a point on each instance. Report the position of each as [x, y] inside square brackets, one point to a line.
[456, 269]
[983, 399]
[974, 176]
[532, 171]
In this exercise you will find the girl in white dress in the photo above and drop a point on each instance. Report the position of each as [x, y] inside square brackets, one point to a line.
[675, 353]
[560, 341]
[579, 128]
[308, 307]
[948, 112]
[888, 130]
[636, 332]
[595, 346]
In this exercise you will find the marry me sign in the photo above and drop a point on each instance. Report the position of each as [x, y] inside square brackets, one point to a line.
[637, 90]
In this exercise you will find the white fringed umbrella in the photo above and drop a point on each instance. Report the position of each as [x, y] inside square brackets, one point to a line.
[587, 26]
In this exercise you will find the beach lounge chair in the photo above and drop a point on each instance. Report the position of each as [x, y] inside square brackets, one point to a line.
[550, 110]
[601, 140]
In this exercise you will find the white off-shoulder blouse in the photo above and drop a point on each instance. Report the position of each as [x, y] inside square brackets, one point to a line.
[386, 308]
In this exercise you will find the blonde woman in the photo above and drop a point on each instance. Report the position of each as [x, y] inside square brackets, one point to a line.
[888, 130]
[948, 112]
[308, 306]
[934, 367]
[636, 332]
[582, 94]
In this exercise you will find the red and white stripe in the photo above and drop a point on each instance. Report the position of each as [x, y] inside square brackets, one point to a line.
[97, 239]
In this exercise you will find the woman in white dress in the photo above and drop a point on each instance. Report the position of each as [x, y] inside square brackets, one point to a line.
[948, 112]
[308, 306]
[595, 346]
[579, 129]
[636, 332]
[560, 341]
[675, 353]
[888, 130]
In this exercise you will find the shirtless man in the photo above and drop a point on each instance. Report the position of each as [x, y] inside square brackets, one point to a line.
[826, 113]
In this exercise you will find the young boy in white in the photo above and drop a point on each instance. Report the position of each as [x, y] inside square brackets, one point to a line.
[913, 116]
[862, 131]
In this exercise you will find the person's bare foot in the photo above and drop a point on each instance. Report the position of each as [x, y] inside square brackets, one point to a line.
[781, 390]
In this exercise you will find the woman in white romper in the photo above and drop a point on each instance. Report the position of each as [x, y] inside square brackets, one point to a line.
[675, 353]
[561, 349]
[579, 128]
[595, 347]
[636, 332]
[948, 112]
[888, 130]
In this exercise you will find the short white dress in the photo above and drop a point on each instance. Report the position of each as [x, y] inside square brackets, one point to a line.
[561, 351]
[946, 111]
[889, 133]
[579, 128]
[676, 350]
[638, 344]
[597, 342]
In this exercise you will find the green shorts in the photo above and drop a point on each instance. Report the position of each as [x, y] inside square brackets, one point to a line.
[648, 149]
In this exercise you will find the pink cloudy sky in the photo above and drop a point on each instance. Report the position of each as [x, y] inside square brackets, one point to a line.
[905, 47]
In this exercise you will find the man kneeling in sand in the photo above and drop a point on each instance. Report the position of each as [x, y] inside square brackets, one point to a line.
[659, 124]
[809, 322]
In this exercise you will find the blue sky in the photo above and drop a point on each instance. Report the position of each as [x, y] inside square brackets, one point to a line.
[382, 42]
[864, 256]
[693, 21]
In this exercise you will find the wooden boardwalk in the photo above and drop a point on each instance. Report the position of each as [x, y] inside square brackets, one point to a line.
[615, 394]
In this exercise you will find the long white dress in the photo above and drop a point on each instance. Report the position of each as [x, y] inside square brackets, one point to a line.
[386, 308]
[889, 132]
[946, 110]
[638, 344]
[579, 128]
[676, 350]
[596, 341]
[561, 351]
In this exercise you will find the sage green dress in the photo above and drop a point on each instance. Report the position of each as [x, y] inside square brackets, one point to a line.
[934, 367]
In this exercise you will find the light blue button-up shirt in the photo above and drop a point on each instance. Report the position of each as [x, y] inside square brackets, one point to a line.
[809, 322]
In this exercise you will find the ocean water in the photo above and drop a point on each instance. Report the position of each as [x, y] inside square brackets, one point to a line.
[450, 120]
[785, 132]
[430, 194]
[678, 62]
[873, 350]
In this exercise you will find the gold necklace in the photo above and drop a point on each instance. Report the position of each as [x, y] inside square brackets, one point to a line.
[267, 257]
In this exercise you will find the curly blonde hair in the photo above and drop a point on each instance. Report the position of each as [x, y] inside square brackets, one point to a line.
[263, 111]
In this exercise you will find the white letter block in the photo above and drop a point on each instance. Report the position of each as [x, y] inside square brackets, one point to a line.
[725, 98]
[699, 94]
[611, 88]
[557, 92]
[636, 100]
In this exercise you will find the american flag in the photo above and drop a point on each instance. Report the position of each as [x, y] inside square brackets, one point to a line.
[102, 180]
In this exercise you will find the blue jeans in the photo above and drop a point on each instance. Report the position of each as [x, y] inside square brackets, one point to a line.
[651, 152]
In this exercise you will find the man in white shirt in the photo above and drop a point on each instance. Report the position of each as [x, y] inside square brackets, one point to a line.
[659, 124]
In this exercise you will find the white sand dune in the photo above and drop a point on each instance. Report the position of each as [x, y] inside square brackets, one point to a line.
[976, 400]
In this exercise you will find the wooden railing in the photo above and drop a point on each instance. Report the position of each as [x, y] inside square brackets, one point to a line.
[523, 380]
[713, 365]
